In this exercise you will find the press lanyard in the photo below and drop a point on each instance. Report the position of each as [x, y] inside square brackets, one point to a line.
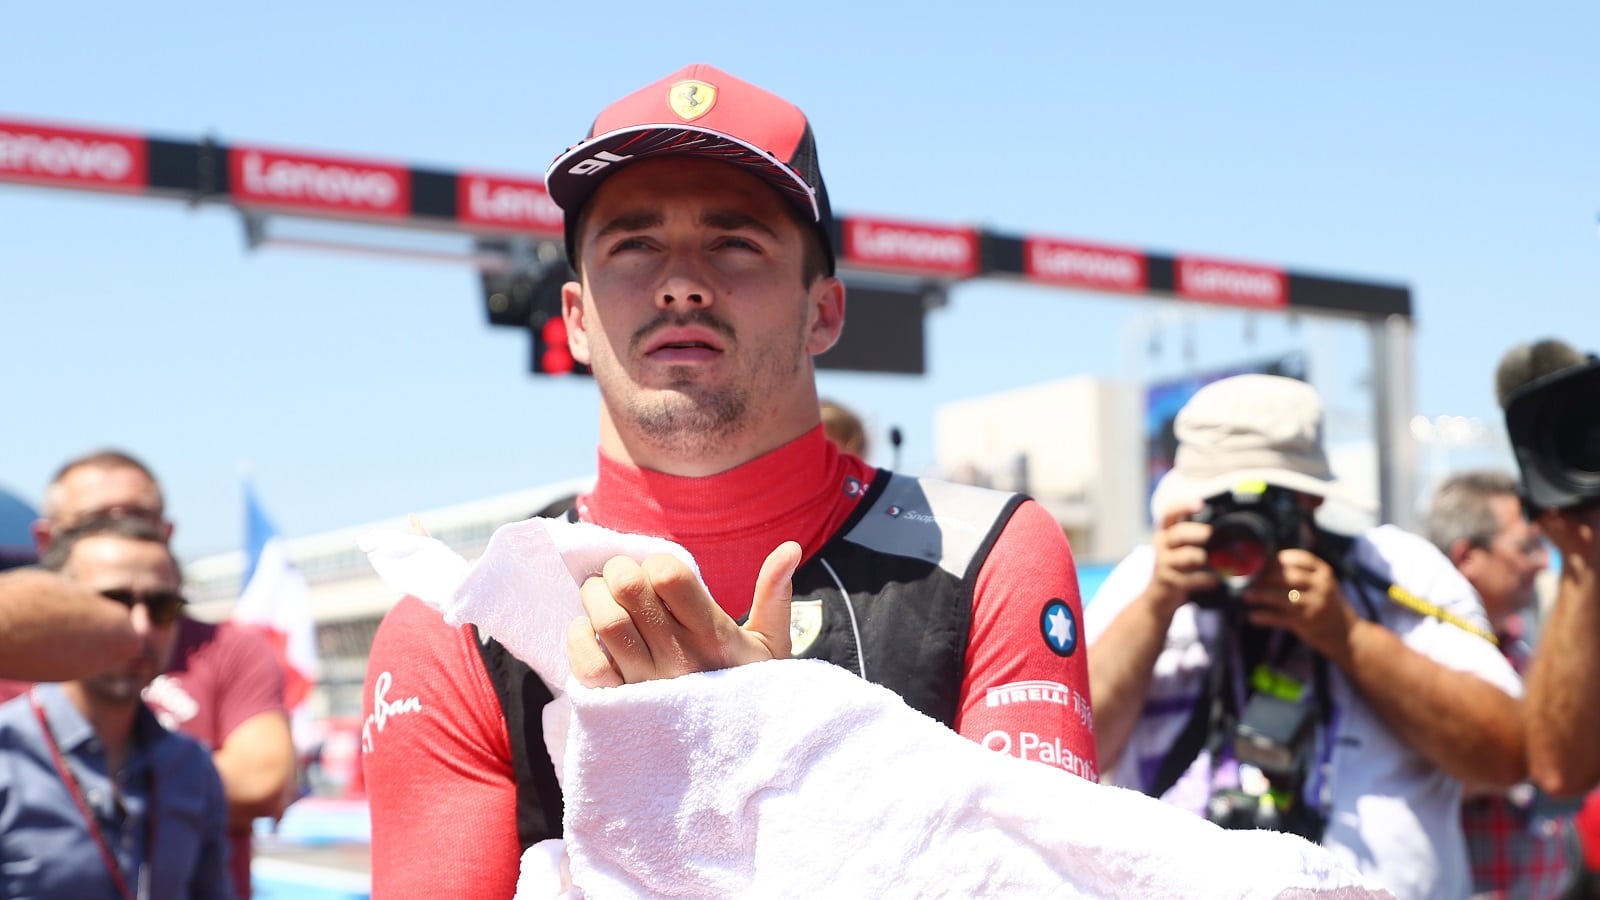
[93, 822]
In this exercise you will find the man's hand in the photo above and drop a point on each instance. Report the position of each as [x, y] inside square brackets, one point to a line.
[1576, 533]
[1301, 595]
[654, 619]
[1180, 560]
[1562, 717]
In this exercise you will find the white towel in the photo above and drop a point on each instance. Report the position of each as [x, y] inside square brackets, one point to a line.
[798, 779]
[523, 590]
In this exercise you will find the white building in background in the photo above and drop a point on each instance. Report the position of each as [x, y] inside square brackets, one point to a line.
[1075, 445]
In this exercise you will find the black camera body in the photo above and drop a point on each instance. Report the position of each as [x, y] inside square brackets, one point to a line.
[1274, 734]
[1249, 525]
[1554, 426]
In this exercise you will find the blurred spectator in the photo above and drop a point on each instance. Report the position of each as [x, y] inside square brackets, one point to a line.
[96, 798]
[223, 686]
[1339, 688]
[1519, 840]
[1563, 719]
[843, 427]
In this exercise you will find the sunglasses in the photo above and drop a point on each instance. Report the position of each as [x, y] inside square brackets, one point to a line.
[164, 607]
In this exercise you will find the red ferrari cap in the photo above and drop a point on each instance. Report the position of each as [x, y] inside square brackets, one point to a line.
[697, 111]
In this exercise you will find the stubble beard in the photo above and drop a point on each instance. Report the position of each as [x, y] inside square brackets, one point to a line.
[687, 418]
[118, 688]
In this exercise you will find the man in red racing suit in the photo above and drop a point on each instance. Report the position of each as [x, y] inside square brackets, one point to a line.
[705, 288]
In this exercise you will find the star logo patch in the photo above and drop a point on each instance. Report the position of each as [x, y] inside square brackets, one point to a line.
[1059, 627]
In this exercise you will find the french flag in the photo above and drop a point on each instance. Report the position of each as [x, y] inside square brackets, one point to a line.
[277, 602]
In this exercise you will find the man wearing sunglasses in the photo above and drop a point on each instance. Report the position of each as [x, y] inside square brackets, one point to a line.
[222, 686]
[97, 799]
[51, 630]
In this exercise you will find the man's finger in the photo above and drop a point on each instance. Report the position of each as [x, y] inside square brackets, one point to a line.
[614, 625]
[1180, 511]
[769, 607]
[588, 660]
[680, 597]
[633, 587]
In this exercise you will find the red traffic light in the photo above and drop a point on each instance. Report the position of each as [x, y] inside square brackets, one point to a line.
[552, 354]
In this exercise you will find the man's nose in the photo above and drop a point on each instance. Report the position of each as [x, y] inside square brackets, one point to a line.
[140, 614]
[684, 284]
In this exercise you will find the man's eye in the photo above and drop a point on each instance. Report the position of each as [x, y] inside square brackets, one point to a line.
[630, 243]
[738, 243]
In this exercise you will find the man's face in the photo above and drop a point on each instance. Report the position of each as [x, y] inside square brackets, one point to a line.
[1504, 572]
[113, 563]
[691, 308]
[89, 492]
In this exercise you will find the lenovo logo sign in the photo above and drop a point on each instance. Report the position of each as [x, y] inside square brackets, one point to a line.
[282, 179]
[918, 248]
[507, 204]
[1083, 265]
[70, 156]
[1233, 283]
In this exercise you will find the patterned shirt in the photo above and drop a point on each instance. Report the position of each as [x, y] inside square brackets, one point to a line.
[1517, 839]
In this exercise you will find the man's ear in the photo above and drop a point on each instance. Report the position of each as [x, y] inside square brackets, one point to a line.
[572, 314]
[41, 535]
[827, 322]
[1463, 555]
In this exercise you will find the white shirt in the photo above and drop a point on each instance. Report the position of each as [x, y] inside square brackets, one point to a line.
[1391, 813]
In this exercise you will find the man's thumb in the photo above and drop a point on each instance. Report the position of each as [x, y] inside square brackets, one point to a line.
[769, 606]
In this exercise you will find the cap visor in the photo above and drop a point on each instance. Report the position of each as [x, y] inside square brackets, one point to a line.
[576, 173]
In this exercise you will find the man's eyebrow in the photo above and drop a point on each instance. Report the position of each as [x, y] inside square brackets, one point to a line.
[629, 221]
[720, 219]
[732, 220]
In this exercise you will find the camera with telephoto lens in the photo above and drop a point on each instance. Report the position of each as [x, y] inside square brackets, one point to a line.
[1554, 425]
[1249, 525]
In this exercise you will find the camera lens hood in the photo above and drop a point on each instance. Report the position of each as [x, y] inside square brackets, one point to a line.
[1554, 426]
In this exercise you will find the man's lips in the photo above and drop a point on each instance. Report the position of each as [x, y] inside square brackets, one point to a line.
[684, 344]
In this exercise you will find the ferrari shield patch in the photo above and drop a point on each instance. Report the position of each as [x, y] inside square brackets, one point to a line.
[805, 623]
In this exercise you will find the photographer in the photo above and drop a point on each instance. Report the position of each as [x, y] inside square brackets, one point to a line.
[1551, 395]
[1281, 676]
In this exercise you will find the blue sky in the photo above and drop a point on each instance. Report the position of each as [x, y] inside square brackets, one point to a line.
[1453, 150]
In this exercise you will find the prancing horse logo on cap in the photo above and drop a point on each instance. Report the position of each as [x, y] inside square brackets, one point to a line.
[691, 99]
